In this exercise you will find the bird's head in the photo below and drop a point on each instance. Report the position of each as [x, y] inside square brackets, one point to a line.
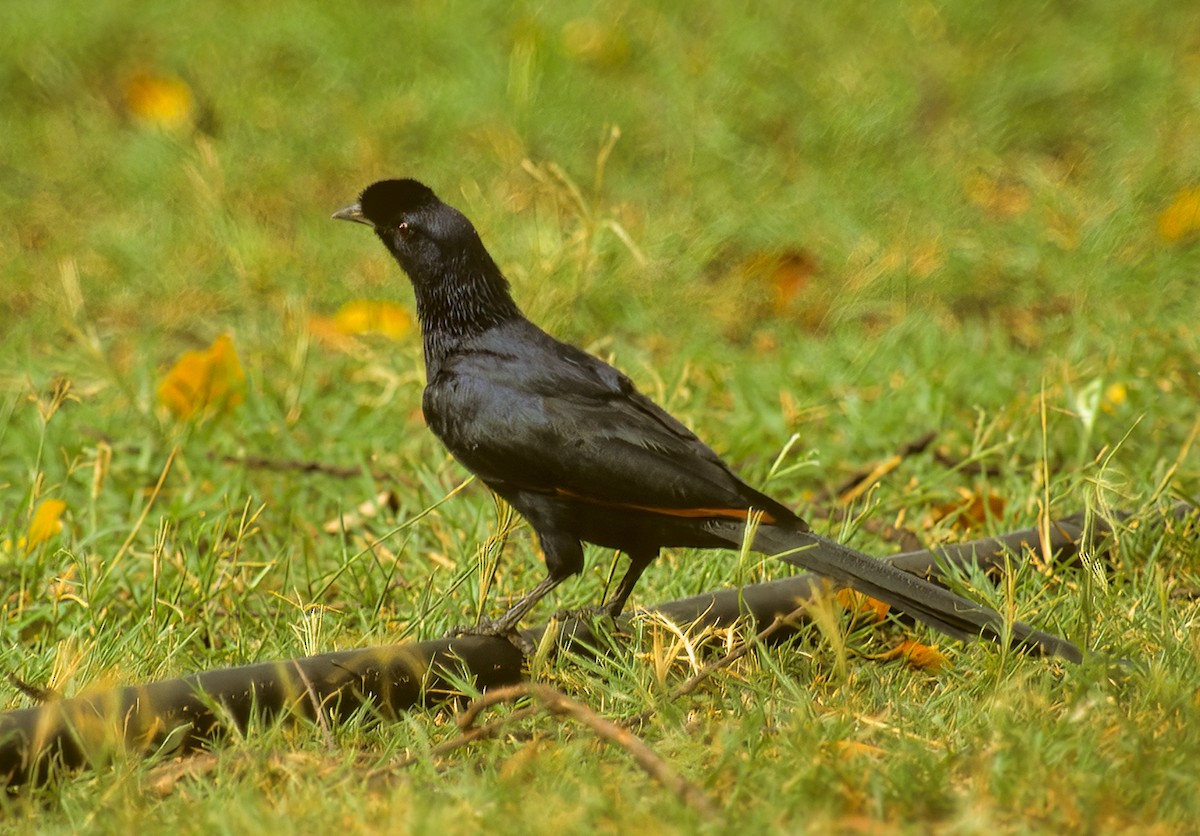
[459, 288]
[422, 233]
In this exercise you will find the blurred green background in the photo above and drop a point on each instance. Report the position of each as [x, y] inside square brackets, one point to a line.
[925, 166]
[852, 222]
[884, 140]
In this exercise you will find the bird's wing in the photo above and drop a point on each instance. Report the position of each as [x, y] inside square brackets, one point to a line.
[525, 410]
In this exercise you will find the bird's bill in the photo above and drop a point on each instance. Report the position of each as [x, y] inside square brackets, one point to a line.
[353, 212]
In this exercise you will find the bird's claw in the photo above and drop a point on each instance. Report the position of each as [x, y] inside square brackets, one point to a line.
[491, 628]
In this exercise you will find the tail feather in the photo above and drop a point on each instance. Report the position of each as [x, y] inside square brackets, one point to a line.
[938, 607]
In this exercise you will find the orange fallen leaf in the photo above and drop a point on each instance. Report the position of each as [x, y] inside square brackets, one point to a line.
[856, 602]
[45, 523]
[971, 510]
[1181, 219]
[160, 100]
[793, 272]
[362, 316]
[787, 273]
[204, 382]
[921, 656]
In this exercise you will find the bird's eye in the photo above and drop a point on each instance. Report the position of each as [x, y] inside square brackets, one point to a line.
[404, 229]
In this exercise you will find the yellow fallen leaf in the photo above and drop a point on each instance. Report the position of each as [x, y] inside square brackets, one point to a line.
[852, 748]
[1115, 394]
[163, 101]
[45, 523]
[204, 382]
[1181, 219]
[363, 316]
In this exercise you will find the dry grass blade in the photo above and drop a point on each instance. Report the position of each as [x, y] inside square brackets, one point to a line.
[693, 682]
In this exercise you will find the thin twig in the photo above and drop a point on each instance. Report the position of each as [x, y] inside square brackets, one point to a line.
[557, 703]
[296, 466]
[315, 699]
[34, 692]
[495, 696]
[137, 526]
[164, 777]
[470, 735]
[861, 480]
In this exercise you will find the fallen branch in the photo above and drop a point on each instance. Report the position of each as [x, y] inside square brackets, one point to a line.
[180, 715]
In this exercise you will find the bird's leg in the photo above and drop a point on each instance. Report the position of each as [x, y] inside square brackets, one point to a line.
[564, 558]
[508, 622]
[638, 561]
[505, 627]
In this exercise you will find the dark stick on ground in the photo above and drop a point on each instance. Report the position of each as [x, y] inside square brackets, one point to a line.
[294, 466]
[188, 713]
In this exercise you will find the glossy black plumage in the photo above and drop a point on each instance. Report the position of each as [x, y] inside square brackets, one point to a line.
[577, 449]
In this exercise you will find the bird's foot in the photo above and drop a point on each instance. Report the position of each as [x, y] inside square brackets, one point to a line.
[594, 621]
[496, 629]
[585, 614]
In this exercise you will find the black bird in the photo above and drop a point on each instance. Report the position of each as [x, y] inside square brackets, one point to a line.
[570, 443]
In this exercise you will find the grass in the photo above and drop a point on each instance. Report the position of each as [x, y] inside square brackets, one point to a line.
[975, 200]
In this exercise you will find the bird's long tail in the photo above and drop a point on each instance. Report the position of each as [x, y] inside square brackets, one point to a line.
[938, 607]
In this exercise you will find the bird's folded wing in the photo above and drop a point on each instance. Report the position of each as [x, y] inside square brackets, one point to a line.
[551, 425]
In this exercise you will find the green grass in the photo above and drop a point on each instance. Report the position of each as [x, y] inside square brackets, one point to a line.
[980, 191]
